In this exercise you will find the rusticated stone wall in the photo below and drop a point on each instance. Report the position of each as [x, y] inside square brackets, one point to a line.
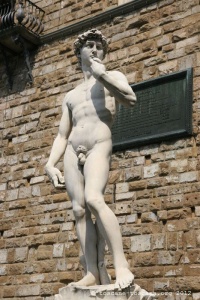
[154, 190]
[60, 13]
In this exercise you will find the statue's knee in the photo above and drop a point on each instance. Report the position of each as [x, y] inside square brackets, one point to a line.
[79, 212]
[95, 203]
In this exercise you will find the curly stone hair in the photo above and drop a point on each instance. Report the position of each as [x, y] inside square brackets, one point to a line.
[90, 34]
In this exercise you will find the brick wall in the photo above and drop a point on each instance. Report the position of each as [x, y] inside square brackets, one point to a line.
[154, 190]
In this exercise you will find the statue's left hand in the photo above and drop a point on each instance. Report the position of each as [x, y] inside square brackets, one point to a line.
[55, 176]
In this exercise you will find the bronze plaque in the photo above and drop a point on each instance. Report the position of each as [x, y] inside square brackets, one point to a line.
[163, 110]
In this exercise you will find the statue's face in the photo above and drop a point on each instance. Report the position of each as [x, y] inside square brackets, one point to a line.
[91, 48]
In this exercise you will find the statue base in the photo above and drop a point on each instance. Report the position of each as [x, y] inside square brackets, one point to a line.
[103, 292]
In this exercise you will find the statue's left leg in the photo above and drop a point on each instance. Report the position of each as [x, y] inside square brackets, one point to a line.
[103, 274]
[104, 277]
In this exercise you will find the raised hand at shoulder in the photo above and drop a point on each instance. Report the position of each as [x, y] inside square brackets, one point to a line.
[97, 67]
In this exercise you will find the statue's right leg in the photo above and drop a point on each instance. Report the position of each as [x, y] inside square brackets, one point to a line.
[95, 182]
[84, 226]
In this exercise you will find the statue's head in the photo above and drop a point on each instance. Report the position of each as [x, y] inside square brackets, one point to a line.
[93, 34]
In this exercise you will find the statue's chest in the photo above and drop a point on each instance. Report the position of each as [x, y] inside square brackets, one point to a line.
[88, 96]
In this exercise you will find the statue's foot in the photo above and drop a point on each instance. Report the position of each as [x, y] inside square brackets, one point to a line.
[87, 280]
[124, 278]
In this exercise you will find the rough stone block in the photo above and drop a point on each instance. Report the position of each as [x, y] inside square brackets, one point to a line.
[158, 241]
[165, 258]
[149, 217]
[71, 249]
[175, 201]
[137, 185]
[179, 165]
[21, 254]
[61, 265]
[122, 187]
[36, 191]
[24, 192]
[115, 176]
[196, 296]
[168, 67]
[197, 211]
[139, 160]
[189, 177]
[174, 271]
[44, 252]
[155, 204]
[145, 193]
[162, 285]
[130, 230]
[141, 243]
[125, 196]
[58, 250]
[36, 180]
[123, 208]
[3, 186]
[162, 215]
[141, 206]
[151, 171]
[20, 139]
[177, 225]
[9, 291]
[3, 256]
[28, 290]
[188, 283]
[125, 163]
[67, 226]
[179, 213]
[132, 218]
[12, 195]
[37, 278]
[3, 270]
[17, 111]
[133, 173]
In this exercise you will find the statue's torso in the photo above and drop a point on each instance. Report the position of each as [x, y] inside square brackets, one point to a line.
[93, 111]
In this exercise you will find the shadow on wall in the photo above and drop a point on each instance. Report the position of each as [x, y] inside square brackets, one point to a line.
[15, 72]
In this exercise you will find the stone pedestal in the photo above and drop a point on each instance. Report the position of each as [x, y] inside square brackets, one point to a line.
[103, 292]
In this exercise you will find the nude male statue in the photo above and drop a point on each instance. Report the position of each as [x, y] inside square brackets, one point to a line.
[84, 137]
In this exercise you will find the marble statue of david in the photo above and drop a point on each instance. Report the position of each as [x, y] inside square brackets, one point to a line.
[84, 137]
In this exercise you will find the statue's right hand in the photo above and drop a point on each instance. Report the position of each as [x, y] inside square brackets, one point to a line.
[97, 67]
[55, 176]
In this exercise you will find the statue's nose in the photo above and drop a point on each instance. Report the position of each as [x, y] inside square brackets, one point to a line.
[94, 49]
